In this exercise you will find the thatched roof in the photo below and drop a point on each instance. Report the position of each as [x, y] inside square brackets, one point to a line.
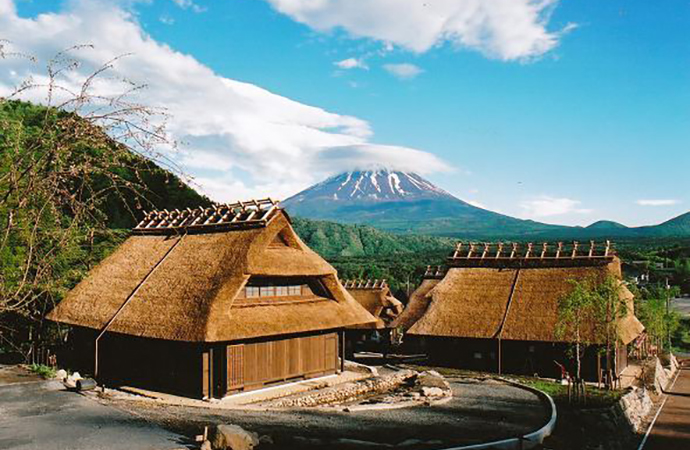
[376, 297]
[417, 304]
[511, 302]
[182, 285]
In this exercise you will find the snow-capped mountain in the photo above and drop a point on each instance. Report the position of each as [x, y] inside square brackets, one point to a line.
[378, 185]
[403, 202]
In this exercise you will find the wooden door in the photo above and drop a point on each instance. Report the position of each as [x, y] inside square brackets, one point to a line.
[331, 352]
[235, 362]
[205, 374]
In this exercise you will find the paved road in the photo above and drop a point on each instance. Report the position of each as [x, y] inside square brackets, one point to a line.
[682, 305]
[672, 427]
[42, 415]
[479, 412]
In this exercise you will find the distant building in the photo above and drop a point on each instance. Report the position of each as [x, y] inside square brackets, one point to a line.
[211, 301]
[376, 297]
[496, 308]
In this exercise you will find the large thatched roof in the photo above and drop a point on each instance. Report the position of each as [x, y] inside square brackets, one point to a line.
[180, 283]
[511, 301]
[376, 297]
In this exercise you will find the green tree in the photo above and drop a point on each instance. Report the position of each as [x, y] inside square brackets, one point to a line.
[589, 315]
[655, 312]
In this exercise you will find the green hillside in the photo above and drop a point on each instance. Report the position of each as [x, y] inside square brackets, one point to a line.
[67, 191]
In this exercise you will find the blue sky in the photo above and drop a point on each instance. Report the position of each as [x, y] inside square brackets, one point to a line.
[582, 115]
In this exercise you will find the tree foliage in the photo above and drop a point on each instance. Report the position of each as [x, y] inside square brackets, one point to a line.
[70, 172]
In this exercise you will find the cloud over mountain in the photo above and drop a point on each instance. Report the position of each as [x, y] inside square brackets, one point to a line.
[238, 139]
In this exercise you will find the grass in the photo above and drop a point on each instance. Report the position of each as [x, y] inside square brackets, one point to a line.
[42, 370]
[596, 398]
[681, 338]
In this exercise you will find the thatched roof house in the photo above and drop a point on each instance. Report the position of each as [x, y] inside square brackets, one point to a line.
[490, 292]
[376, 297]
[227, 274]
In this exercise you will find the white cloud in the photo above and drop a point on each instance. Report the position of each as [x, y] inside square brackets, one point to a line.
[189, 4]
[658, 202]
[374, 156]
[166, 20]
[239, 139]
[476, 204]
[404, 71]
[546, 206]
[351, 63]
[503, 29]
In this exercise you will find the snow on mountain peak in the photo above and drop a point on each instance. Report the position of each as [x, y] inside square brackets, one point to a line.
[373, 185]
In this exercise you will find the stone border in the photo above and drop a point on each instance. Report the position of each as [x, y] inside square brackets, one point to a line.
[527, 441]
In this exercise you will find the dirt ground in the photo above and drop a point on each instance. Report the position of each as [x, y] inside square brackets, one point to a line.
[480, 411]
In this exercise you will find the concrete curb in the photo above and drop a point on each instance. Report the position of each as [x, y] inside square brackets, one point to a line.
[530, 440]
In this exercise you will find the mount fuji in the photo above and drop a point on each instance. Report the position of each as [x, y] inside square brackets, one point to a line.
[404, 202]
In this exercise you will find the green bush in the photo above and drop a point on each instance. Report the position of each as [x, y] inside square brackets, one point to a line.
[42, 370]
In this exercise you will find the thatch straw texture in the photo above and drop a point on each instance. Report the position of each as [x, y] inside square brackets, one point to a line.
[416, 306]
[467, 303]
[190, 295]
[477, 303]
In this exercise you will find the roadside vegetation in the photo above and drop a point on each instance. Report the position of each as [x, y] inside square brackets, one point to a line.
[46, 372]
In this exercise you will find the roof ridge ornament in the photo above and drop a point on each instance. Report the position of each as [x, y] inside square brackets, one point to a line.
[549, 255]
[219, 216]
[365, 284]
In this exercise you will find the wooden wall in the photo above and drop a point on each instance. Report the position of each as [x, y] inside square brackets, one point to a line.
[252, 365]
[517, 357]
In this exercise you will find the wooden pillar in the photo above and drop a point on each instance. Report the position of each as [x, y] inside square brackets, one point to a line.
[342, 351]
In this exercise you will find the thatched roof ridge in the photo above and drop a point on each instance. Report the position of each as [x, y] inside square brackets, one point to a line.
[365, 284]
[190, 294]
[228, 216]
[511, 303]
[376, 297]
[515, 255]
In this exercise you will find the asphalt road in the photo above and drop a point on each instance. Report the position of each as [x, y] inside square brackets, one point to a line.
[682, 305]
[479, 412]
[42, 415]
[672, 428]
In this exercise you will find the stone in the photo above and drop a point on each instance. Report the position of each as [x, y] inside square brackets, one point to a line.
[432, 392]
[431, 378]
[233, 437]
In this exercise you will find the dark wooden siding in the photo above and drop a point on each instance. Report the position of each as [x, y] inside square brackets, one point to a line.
[256, 364]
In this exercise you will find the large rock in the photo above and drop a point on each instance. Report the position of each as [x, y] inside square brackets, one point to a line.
[432, 379]
[233, 437]
[433, 392]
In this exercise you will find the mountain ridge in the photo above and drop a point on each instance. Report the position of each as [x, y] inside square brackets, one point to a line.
[405, 202]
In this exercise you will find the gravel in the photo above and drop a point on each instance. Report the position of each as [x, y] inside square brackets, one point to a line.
[480, 411]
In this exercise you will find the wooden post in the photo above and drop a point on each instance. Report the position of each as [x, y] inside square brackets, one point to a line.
[499, 355]
[342, 351]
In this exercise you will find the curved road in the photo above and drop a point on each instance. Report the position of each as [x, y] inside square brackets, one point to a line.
[479, 412]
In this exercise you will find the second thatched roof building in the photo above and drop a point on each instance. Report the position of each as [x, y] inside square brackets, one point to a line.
[495, 308]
